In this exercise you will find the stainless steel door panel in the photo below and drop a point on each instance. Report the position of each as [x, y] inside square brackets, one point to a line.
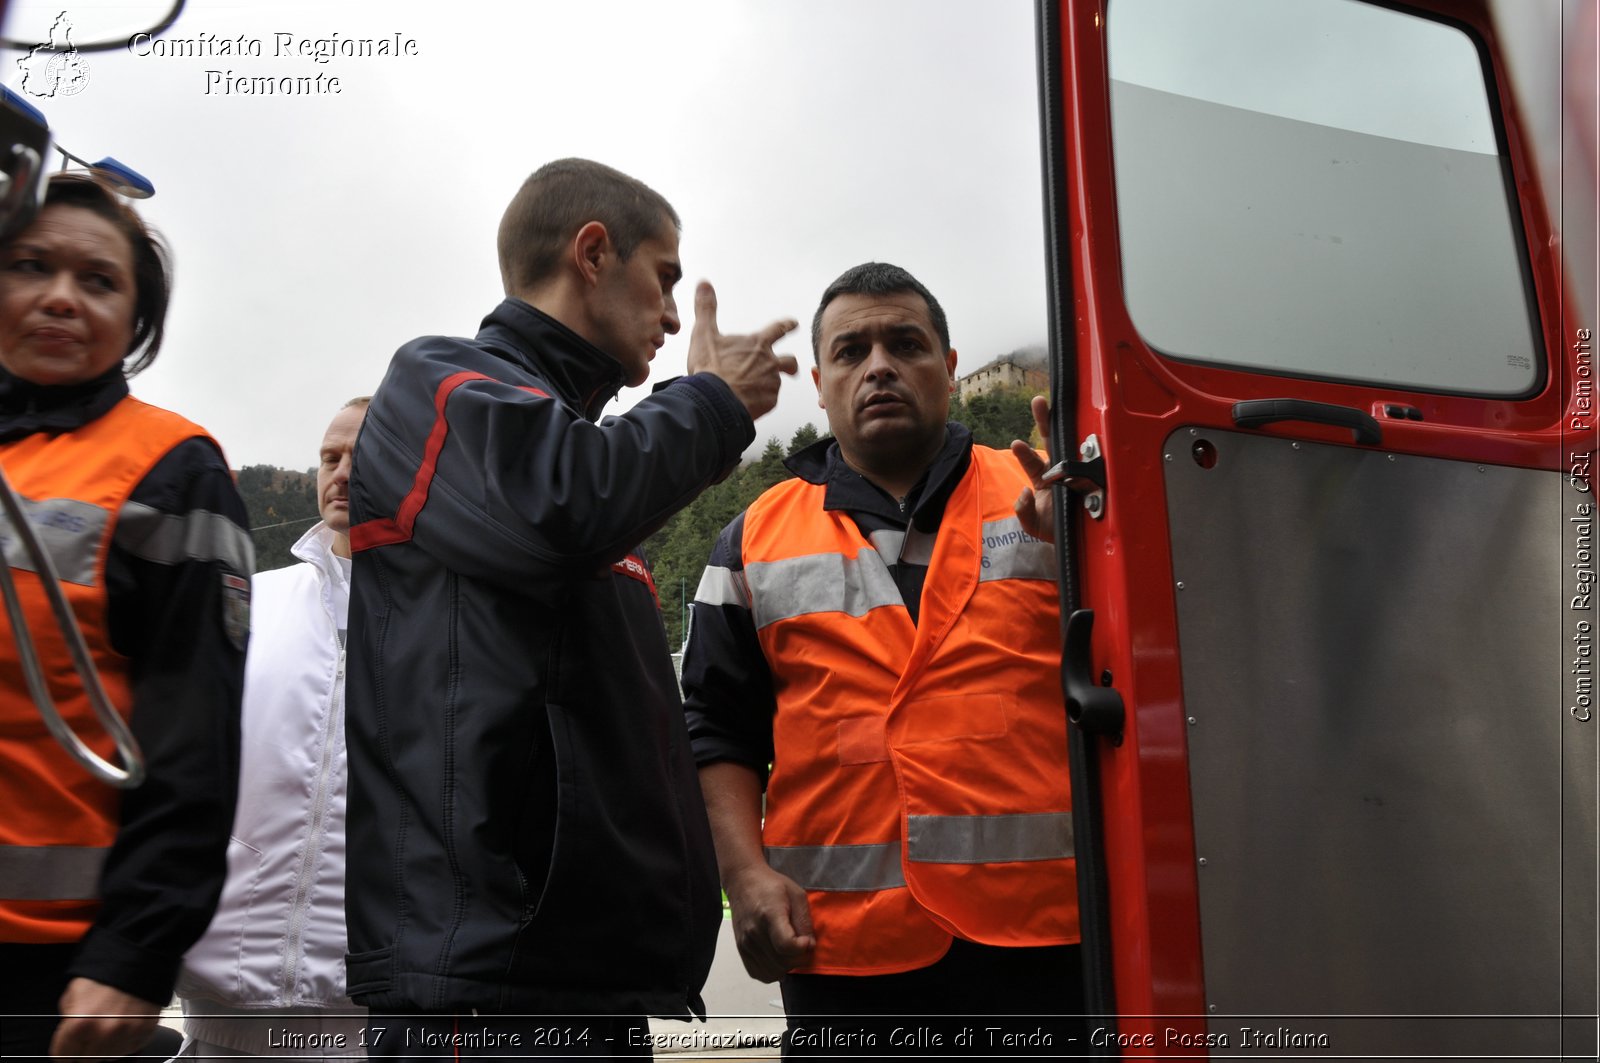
[1381, 753]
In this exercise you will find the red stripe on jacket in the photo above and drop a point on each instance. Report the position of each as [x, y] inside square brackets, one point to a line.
[385, 531]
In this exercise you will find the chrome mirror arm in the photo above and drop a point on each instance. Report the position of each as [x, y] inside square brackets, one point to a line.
[124, 777]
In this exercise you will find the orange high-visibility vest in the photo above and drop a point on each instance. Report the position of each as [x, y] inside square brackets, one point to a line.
[920, 787]
[60, 821]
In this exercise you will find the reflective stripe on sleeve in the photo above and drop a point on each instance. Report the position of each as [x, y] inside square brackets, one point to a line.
[820, 583]
[69, 531]
[989, 839]
[840, 868]
[1011, 553]
[50, 872]
[722, 586]
[173, 538]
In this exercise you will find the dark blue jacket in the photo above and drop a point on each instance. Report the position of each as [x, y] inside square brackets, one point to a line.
[526, 831]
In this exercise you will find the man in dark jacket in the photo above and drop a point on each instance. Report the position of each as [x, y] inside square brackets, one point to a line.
[526, 832]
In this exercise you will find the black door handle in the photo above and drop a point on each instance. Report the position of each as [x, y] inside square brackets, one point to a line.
[1096, 709]
[1254, 413]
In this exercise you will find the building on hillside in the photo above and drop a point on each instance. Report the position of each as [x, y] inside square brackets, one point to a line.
[1023, 368]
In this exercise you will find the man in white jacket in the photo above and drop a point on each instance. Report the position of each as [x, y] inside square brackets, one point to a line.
[268, 978]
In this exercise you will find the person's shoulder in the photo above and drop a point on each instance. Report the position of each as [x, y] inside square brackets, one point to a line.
[429, 364]
[172, 443]
[150, 417]
[787, 492]
[194, 474]
[434, 345]
[279, 584]
[429, 358]
[288, 575]
[997, 461]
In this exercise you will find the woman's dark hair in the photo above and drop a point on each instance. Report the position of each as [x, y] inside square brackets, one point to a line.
[152, 263]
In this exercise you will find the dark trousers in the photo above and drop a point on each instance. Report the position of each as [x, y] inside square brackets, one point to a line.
[32, 979]
[978, 1001]
[468, 1036]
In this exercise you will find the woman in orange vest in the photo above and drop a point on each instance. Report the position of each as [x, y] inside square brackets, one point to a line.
[101, 890]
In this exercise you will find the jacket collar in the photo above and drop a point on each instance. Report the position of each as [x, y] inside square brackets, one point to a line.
[315, 548]
[821, 463]
[26, 408]
[583, 375]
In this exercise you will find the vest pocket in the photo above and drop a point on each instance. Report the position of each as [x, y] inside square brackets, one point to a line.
[949, 717]
[863, 740]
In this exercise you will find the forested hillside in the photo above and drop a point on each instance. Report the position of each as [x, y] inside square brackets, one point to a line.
[283, 503]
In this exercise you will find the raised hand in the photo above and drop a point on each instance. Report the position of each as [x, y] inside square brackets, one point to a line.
[745, 363]
[1035, 509]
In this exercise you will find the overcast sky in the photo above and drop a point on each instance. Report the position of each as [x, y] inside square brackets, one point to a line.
[314, 234]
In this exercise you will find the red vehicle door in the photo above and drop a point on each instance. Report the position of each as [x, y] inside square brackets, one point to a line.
[1331, 389]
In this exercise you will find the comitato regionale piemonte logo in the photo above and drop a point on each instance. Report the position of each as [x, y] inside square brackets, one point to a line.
[55, 68]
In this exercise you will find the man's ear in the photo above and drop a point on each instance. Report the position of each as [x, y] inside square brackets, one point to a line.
[590, 246]
[950, 367]
[816, 380]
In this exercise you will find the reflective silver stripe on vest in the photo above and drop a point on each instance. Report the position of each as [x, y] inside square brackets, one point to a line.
[722, 586]
[173, 538]
[934, 840]
[70, 532]
[887, 541]
[911, 547]
[840, 868]
[918, 548]
[989, 839]
[1011, 553]
[820, 583]
[50, 872]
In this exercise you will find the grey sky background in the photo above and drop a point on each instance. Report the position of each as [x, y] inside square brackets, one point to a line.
[313, 234]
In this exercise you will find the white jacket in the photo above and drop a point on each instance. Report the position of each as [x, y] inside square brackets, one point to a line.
[278, 938]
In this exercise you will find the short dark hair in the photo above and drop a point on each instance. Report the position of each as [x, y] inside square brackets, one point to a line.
[152, 263]
[877, 278]
[557, 200]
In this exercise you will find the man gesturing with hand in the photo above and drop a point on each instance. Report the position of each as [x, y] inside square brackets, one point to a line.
[746, 364]
[530, 868]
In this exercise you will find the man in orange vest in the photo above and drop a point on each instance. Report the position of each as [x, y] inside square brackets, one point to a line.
[874, 645]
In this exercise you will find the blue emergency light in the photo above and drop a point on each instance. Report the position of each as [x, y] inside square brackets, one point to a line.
[124, 179]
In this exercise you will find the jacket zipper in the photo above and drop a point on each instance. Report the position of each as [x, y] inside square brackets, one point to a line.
[297, 914]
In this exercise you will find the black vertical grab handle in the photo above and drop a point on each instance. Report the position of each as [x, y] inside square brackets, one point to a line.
[1096, 709]
[1253, 413]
